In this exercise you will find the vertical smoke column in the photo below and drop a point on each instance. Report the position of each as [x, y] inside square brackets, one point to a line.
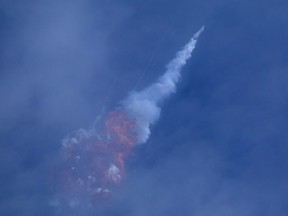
[143, 106]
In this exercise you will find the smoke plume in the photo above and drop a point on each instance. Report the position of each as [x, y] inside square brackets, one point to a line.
[91, 164]
[143, 106]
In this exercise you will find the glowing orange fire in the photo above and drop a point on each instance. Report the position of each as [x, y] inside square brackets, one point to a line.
[92, 165]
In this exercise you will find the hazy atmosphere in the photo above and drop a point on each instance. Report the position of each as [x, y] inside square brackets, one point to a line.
[220, 145]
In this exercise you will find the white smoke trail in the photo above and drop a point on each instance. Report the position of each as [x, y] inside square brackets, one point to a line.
[143, 106]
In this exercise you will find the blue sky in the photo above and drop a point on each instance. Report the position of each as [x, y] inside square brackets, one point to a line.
[220, 146]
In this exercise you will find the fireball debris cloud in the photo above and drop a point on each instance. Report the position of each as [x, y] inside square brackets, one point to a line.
[92, 162]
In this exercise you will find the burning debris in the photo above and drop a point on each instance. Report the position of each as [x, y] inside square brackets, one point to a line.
[92, 163]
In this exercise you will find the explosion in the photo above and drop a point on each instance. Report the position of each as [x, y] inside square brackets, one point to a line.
[91, 163]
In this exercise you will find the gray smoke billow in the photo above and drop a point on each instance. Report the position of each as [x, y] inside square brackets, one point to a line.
[143, 106]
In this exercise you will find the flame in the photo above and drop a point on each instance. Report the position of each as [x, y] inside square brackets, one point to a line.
[92, 165]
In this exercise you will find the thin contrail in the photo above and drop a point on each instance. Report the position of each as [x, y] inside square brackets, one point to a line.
[153, 56]
[143, 106]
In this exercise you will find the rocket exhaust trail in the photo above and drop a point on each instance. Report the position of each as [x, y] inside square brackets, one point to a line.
[143, 106]
[91, 163]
